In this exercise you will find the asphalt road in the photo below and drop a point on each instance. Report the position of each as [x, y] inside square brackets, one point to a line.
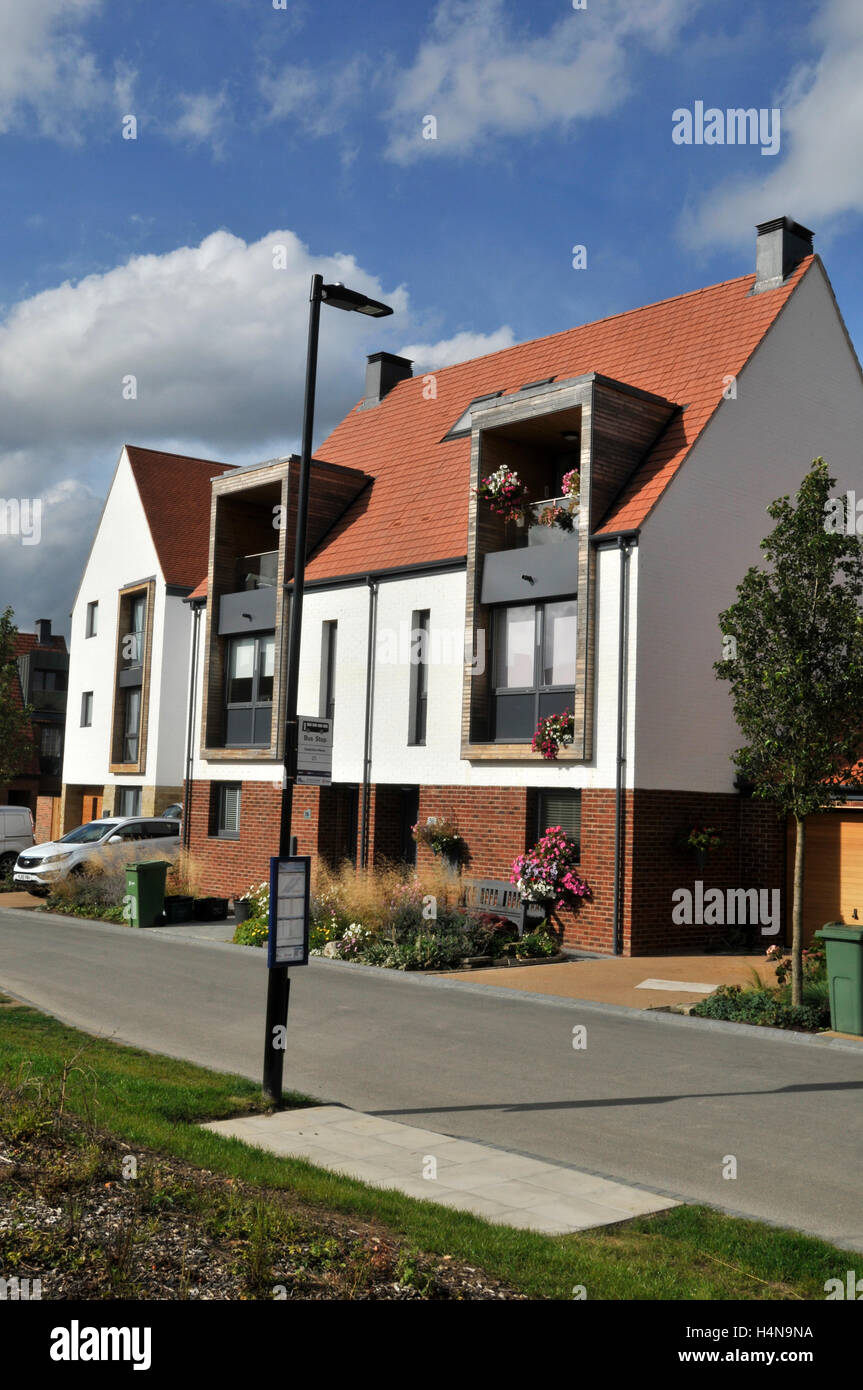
[657, 1101]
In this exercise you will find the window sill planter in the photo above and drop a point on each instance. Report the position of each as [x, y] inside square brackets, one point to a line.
[178, 908]
[210, 909]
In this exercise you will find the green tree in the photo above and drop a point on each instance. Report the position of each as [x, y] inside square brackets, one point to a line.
[793, 644]
[16, 741]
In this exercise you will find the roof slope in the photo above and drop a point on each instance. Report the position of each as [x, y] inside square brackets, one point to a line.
[175, 495]
[417, 509]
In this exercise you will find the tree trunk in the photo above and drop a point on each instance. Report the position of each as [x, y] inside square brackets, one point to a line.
[797, 913]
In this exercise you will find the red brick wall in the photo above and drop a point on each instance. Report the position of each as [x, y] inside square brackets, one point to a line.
[498, 823]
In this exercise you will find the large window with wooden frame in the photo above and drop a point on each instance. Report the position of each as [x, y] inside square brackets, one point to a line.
[250, 666]
[533, 666]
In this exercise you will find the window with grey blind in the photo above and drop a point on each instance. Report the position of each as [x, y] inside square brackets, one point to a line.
[561, 808]
[227, 810]
[419, 676]
[329, 640]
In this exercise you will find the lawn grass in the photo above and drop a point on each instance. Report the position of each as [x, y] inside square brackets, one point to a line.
[158, 1103]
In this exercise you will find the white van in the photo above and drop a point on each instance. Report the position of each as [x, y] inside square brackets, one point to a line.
[16, 834]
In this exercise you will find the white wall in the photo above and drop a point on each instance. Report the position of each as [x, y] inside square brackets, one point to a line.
[123, 553]
[800, 396]
[439, 761]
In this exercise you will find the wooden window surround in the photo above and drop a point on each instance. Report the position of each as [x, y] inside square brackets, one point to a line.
[127, 597]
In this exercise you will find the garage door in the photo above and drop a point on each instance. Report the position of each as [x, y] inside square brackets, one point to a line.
[834, 870]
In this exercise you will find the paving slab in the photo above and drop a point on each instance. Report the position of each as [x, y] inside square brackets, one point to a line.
[506, 1188]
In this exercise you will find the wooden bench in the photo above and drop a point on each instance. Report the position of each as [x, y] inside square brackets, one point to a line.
[500, 898]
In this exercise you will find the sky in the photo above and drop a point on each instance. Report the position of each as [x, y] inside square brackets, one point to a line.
[173, 173]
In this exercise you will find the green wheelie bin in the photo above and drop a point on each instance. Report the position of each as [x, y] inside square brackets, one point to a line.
[844, 976]
[145, 892]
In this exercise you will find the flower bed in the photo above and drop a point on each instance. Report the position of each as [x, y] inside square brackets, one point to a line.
[770, 1006]
[379, 918]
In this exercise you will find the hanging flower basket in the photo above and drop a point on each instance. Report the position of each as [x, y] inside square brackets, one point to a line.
[547, 873]
[505, 494]
[701, 839]
[552, 733]
[442, 837]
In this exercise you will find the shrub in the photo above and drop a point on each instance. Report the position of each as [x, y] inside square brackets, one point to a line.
[252, 932]
[534, 945]
[765, 1007]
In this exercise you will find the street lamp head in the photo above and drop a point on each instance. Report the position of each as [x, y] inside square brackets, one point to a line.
[338, 296]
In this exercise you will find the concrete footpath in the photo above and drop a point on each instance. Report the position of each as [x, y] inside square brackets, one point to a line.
[505, 1188]
[638, 982]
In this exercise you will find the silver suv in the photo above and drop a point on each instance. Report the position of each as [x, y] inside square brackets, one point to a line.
[109, 842]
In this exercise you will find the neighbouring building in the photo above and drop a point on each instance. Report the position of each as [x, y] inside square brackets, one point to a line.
[130, 645]
[43, 670]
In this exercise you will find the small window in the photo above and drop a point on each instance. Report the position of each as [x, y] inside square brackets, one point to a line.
[127, 802]
[227, 810]
[329, 639]
[462, 425]
[86, 709]
[561, 808]
[419, 676]
[92, 623]
[249, 690]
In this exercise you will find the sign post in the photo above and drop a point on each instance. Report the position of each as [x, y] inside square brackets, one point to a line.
[314, 751]
[288, 944]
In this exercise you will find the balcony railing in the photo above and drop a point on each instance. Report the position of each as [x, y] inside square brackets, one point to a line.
[538, 532]
[258, 571]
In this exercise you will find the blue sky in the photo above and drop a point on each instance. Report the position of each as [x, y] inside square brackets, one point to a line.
[302, 127]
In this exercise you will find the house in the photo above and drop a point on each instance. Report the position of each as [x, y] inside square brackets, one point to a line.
[43, 666]
[684, 419]
[130, 645]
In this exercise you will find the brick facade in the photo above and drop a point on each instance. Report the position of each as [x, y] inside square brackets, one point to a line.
[497, 824]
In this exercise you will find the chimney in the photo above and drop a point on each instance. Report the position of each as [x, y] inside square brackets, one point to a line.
[782, 244]
[384, 371]
[43, 632]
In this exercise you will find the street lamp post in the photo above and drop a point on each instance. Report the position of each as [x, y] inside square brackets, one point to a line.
[338, 296]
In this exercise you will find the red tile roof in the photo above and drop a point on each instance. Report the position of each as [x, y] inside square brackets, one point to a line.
[417, 510]
[175, 493]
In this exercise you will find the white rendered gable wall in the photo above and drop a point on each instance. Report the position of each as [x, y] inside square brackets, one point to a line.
[800, 396]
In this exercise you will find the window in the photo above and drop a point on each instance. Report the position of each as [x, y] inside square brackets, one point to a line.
[91, 626]
[419, 676]
[86, 709]
[50, 750]
[160, 830]
[561, 808]
[127, 801]
[533, 665]
[329, 637]
[47, 680]
[226, 807]
[249, 692]
[133, 640]
[131, 724]
[462, 425]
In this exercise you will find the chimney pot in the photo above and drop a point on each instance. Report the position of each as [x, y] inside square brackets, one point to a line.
[384, 371]
[781, 245]
[43, 631]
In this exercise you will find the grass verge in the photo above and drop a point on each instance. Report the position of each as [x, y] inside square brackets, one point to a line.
[147, 1102]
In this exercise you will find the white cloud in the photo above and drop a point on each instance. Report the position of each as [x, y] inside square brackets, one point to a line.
[481, 76]
[203, 119]
[460, 348]
[323, 102]
[820, 175]
[50, 79]
[216, 339]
